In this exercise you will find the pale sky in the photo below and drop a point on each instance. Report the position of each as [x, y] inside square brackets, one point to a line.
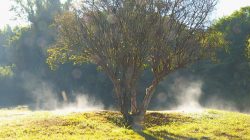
[224, 8]
[227, 7]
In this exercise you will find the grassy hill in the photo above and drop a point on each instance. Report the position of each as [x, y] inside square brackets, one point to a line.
[56, 125]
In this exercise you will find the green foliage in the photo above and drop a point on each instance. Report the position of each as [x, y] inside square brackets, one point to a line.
[29, 44]
[229, 78]
[18, 33]
[5, 36]
[210, 124]
[248, 49]
[6, 71]
[215, 39]
[63, 50]
[236, 29]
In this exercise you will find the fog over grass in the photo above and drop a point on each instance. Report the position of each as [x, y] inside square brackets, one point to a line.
[45, 97]
[186, 95]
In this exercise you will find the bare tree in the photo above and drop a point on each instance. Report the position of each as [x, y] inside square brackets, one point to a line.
[125, 37]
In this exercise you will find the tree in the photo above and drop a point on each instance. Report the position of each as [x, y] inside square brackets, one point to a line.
[27, 49]
[125, 38]
[236, 28]
[230, 77]
[248, 49]
[6, 69]
[32, 41]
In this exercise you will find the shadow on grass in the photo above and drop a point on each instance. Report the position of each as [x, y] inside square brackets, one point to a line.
[171, 136]
[146, 136]
[167, 136]
[160, 119]
[151, 120]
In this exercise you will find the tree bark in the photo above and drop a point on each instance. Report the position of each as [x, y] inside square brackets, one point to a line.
[125, 102]
[148, 96]
[133, 101]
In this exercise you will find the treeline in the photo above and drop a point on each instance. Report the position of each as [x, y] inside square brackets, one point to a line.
[26, 79]
[24, 72]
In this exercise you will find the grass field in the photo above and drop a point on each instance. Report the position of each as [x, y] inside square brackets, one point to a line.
[22, 124]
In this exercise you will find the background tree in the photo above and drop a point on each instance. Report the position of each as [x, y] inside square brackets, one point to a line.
[248, 48]
[32, 42]
[26, 49]
[236, 29]
[6, 68]
[124, 38]
[25, 46]
[228, 80]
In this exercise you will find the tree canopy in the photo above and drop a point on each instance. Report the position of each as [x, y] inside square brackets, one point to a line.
[236, 30]
[124, 38]
[229, 78]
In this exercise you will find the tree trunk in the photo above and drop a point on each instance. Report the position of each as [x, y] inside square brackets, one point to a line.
[137, 121]
[138, 117]
[148, 96]
[125, 108]
[133, 101]
[126, 96]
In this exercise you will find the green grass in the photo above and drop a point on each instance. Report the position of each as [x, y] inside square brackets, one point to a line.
[210, 124]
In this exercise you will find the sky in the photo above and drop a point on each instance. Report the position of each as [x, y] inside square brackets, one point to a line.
[227, 7]
[224, 8]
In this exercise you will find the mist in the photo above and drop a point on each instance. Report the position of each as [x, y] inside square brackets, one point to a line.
[82, 103]
[45, 97]
[186, 94]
